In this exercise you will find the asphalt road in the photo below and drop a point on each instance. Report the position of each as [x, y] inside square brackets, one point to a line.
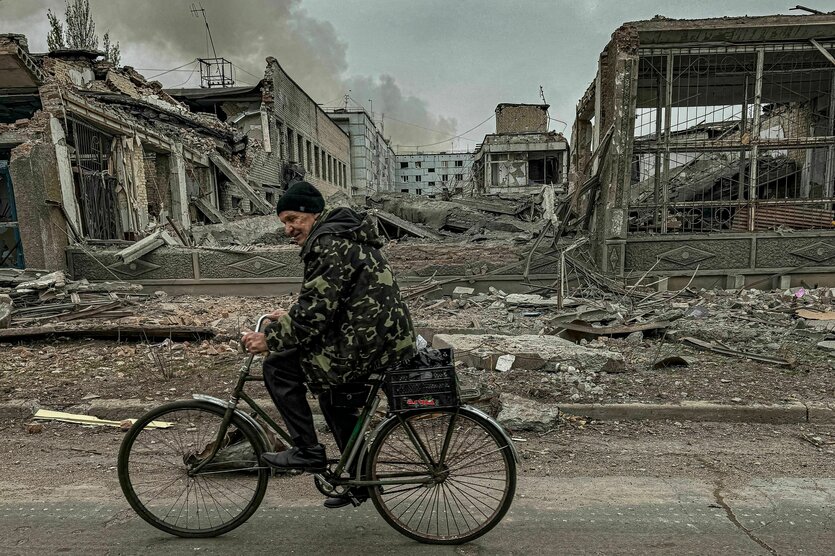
[581, 515]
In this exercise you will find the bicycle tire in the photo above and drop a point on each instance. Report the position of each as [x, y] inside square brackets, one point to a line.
[162, 457]
[466, 484]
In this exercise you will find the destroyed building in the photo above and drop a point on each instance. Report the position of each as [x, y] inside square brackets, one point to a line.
[433, 174]
[708, 145]
[92, 154]
[294, 137]
[372, 158]
[522, 155]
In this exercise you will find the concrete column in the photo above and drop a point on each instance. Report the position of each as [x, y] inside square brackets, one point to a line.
[177, 185]
[43, 228]
[68, 199]
[615, 180]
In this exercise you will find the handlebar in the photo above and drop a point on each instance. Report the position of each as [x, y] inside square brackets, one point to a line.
[261, 320]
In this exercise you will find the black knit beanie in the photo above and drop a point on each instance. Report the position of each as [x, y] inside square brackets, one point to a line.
[301, 197]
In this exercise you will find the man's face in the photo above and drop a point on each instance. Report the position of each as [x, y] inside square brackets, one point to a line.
[297, 225]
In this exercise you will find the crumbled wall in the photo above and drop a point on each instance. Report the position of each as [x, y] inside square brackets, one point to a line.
[524, 118]
[43, 229]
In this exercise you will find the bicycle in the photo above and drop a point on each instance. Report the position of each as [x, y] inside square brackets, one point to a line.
[436, 471]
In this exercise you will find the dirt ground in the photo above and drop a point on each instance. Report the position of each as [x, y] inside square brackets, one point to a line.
[59, 372]
[658, 449]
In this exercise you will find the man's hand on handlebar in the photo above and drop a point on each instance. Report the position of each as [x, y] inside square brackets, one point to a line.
[254, 342]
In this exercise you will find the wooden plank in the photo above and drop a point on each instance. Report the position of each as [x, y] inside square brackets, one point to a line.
[110, 331]
[49, 415]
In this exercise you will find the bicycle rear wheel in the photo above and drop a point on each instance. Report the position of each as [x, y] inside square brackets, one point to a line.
[467, 467]
[155, 463]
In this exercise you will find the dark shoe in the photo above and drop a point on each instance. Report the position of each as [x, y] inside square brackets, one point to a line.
[355, 497]
[311, 458]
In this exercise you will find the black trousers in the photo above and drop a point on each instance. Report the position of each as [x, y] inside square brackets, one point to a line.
[285, 381]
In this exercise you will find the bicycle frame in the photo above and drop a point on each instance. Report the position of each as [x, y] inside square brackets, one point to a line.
[355, 443]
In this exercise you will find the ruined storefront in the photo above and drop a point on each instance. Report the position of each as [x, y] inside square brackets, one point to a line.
[95, 155]
[708, 145]
[522, 155]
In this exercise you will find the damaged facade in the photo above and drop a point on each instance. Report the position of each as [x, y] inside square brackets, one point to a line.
[709, 145]
[372, 158]
[522, 155]
[433, 174]
[94, 153]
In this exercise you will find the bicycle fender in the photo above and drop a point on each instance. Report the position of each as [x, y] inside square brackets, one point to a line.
[463, 409]
[245, 416]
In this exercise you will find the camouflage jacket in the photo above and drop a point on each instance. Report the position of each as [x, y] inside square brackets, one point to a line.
[350, 318]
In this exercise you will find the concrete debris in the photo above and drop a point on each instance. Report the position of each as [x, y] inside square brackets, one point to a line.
[736, 353]
[530, 352]
[505, 362]
[5, 311]
[461, 292]
[520, 414]
[145, 246]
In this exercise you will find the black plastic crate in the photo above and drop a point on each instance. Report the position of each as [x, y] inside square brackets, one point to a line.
[424, 387]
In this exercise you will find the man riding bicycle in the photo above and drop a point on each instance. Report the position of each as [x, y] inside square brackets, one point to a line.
[349, 321]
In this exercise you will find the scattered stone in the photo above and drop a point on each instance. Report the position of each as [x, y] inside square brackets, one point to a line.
[522, 414]
[505, 362]
[827, 344]
[635, 338]
[34, 428]
[461, 292]
[5, 311]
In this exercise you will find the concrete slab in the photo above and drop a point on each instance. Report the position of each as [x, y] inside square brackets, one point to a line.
[532, 352]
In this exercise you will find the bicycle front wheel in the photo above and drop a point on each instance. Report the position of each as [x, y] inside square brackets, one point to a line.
[458, 473]
[156, 467]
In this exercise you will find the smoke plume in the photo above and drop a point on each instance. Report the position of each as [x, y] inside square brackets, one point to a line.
[159, 34]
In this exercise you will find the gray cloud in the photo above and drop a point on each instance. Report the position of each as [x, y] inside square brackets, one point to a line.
[164, 34]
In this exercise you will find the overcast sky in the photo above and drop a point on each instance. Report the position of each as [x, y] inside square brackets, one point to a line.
[435, 68]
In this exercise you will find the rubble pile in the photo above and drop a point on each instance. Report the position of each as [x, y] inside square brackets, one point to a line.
[478, 219]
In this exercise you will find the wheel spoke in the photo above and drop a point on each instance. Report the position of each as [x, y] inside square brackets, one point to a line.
[471, 488]
[154, 466]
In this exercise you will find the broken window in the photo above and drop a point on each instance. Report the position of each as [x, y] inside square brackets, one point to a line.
[459, 162]
[444, 177]
[417, 164]
[300, 145]
[404, 164]
[309, 158]
[418, 191]
[459, 176]
[237, 202]
[291, 151]
[431, 184]
[417, 178]
[11, 246]
[431, 170]
[404, 178]
[94, 183]
[404, 191]
[543, 170]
